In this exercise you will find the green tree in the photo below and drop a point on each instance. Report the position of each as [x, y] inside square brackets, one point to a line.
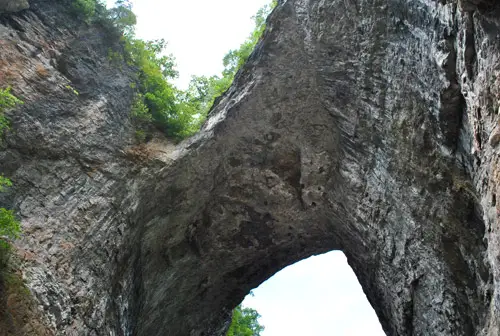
[86, 8]
[7, 100]
[245, 322]
[10, 227]
[235, 59]
[170, 111]
[123, 18]
[203, 90]
[175, 112]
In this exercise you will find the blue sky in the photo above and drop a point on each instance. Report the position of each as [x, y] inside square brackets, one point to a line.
[319, 296]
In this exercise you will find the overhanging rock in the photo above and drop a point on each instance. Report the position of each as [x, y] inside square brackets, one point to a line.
[365, 126]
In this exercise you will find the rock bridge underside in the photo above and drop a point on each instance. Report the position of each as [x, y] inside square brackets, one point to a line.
[367, 126]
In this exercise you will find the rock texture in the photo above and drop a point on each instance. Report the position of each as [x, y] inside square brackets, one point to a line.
[369, 126]
[7, 6]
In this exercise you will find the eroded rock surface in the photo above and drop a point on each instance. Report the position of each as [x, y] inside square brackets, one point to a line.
[7, 6]
[368, 126]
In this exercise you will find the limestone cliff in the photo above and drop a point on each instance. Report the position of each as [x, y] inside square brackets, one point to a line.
[368, 126]
[7, 6]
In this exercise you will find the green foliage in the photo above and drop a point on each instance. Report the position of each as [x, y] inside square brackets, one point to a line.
[9, 225]
[158, 97]
[7, 100]
[86, 8]
[203, 90]
[141, 116]
[245, 322]
[235, 59]
[180, 113]
[4, 183]
[4, 124]
[176, 113]
[95, 11]
[115, 57]
[123, 17]
[140, 111]
[140, 135]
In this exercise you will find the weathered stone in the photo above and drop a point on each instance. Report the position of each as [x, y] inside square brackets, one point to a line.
[7, 6]
[355, 125]
[495, 137]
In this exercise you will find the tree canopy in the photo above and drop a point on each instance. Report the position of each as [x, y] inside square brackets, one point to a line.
[245, 322]
[204, 90]
[158, 103]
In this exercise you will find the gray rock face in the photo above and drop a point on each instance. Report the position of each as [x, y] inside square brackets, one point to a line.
[368, 126]
[7, 6]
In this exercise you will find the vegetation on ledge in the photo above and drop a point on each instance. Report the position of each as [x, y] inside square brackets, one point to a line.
[7, 100]
[158, 103]
[10, 227]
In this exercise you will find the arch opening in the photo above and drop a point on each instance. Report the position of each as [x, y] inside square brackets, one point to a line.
[318, 295]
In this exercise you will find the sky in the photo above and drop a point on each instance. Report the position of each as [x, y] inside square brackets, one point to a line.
[319, 296]
[199, 32]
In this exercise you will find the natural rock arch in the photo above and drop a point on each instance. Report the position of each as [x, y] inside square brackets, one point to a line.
[355, 125]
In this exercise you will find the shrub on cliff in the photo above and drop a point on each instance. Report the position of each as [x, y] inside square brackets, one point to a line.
[7, 100]
[9, 225]
[10, 228]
